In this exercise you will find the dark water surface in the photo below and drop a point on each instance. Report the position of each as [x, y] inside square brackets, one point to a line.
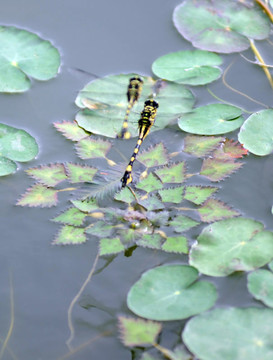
[102, 37]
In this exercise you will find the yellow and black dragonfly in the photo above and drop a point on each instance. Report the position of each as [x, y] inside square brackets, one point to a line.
[145, 123]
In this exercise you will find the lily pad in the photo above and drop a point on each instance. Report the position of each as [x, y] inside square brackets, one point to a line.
[24, 54]
[104, 103]
[7, 166]
[190, 67]
[17, 144]
[231, 334]
[260, 285]
[256, 134]
[170, 292]
[222, 26]
[237, 244]
[212, 119]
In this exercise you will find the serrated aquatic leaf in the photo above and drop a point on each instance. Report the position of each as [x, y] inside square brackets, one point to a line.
[138, 332]
[174, 195]
[237, 244]
[223, 26]
[256, 134]
[201, 146]
[216, 169]
[24, 54]
[78, 173]
[16, 144]
[72, 216]
[198, 194]
[248, 330]
[170, 292]
[71, 130]
[154, 156]
[7, 166]
[158, 219]
[152, 241]
[111, 246]
[176, 244]
[212, 119]
[270, 265]
[86, 205]
[172, 173]
[230, 149]
[183, 223]
[151, 202]
[125, 195]
[48, 175]
[260, 285]
[70, 235]
[189, 67]
[149, 184]
[39, 195]
[214, 210]
[100, 229]
[92, 148]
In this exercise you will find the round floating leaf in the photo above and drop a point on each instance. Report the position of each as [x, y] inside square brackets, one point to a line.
[194, 67]
[212, 119]
[104, 103]
[221, 26]
[24, 54]
[231, 334]
[260, 285]
[256, 134]
[7, 166]
[170, 292]
[237, 244]
[16, 144]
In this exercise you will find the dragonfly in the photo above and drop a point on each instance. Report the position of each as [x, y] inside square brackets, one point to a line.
[133, 93]
[145, 123]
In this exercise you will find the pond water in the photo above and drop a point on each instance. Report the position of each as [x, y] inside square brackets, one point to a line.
[101, 37]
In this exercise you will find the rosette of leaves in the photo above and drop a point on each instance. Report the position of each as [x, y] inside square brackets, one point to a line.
[140, 216]
[24, 55]
[15, 145]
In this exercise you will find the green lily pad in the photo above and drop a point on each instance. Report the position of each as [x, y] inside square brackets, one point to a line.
[170, 292]
[104, 103]
[190, 67]
[231, 334]
[7, 166]
[16, 144]
[222, 26]
[24, 54]
[212, 119]
[237, 244]
[256, 134]
[260, 285]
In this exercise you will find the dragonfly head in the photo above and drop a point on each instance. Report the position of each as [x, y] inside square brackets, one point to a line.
[152, 103]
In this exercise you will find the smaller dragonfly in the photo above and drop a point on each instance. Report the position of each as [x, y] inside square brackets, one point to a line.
[145, 123]
[133, 94]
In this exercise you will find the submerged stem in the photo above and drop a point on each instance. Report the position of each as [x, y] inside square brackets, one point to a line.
[259, 57]
[5, 342]
[73, 302]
